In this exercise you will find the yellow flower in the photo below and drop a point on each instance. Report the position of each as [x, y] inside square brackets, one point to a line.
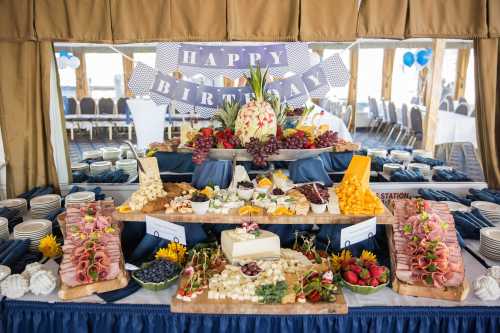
[174, 252]
[49, 246]
[337, 260]
[367, 256]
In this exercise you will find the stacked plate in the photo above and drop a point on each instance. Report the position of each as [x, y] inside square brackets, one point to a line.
[401, 155]
[42, 205]
[99, 167]
[490, 242]
[376, 152]
[489, 210]
[79, 197]
[111, 153]
[18, 204]
[82, 167]
[441, 167]
[129, 166]
[4, 228]
[457, 207]
[389, 168]
[424, 169]
[124, 149]
[34, 230]
[422, 153]
[92, 154]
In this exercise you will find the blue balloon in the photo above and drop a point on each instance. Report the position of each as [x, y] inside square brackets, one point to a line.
[408, 59]
[423, 57]
[63, 53]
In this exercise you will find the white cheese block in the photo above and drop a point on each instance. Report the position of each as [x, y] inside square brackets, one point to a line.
[236, 248]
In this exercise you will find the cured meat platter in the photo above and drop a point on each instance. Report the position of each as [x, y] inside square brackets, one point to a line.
[92, 257]
[425, 254]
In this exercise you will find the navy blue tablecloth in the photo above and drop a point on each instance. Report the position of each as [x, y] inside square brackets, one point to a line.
[19, 316]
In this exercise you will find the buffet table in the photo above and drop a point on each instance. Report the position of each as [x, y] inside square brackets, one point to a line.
[150, 311]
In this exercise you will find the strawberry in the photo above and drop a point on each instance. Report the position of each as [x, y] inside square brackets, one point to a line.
[361, 283]
[219, 135]
[384, 276]
[207, 132]
[364, 274]
[350, 277]
[181, 292]
[228, 132]
[355, 268]
[227, 145]
[310, 255]
[376, 271]
[345, 266]
[300, 134]
[374, 282]
[314, 296]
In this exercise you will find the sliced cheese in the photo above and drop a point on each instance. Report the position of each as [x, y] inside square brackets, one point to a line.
[236, 249]
[359, 168]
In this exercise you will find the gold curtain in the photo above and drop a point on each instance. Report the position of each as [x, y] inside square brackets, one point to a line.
[24, 114]
[382, 18]
[328, 20]
[82, 84]
[353, 87]
[16, 20]
[128, 68]
[447, 18]
[387, 73]
[462, 63]
[74, 20]
[263, 20]
[494, 18]
[487, 76]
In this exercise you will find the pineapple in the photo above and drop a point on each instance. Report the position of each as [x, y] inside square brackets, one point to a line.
[257, 118]
[227, 114]
[279, 110]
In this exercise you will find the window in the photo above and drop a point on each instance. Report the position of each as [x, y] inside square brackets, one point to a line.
[369, 74]
[449, 73]
[404, 79]
[67, 80]
[105, 83]
[148, 58]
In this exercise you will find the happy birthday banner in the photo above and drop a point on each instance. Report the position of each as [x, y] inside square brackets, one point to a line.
[163, 88]
[230, 60]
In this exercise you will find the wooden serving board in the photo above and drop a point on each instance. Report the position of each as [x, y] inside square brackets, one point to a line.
[235, 218]
[119, 282]
[201, 304]
[343, 147]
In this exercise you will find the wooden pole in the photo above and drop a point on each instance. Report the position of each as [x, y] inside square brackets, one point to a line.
[387, 73]
[353, 87]
[128, 67]
[433, 93]
[462, 62]
[82, 84]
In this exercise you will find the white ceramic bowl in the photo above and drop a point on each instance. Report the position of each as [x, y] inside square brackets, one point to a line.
[200, 208]
[318, 208]
[245, 193]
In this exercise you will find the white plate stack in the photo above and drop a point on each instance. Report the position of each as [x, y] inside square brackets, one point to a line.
[82, 167]
[489, 242]
[99, 167]
[111, 153]
[401, 155]
[92, 154]
[376, 152]
[42, 205]
[34, 230]
[424, 169]
[18, 204]
[489, 210]
[79, 198]
[4, 228]
[124, 149]
[422, 153]
[129, 166]
[389, 168]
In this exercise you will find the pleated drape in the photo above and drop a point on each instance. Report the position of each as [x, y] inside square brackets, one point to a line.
[494, 18]
[487, 54]
[382, 19]
[24, 114]
[16, 20]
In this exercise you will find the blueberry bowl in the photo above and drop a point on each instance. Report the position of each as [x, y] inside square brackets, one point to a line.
[157, 274]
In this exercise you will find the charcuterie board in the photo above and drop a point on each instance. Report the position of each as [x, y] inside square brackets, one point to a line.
[68, 293]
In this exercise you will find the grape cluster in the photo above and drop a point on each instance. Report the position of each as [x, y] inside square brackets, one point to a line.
[312, 195]
[327, 139]
[158, 271]
[260, 151]
[234, 141]
[293, 142]
[202, 145]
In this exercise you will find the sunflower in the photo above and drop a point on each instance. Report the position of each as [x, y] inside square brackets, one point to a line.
[337, 260]
[174, 252]
[49, 246]
[368, 257]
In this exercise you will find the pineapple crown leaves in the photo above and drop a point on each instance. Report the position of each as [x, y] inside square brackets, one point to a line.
[279, 109]
[257, 80]
[228, 113]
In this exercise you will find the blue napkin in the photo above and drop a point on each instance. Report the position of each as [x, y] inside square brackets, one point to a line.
[116, 295]
[36, 191]
[146, 249]
[407, 176]
[309, 170]
[335, 162]
[378, 162]
[429, 161]
[213, 172]
[109, 177]
[28, 258]
[79, 177]
[450, 176]
[485, 194]
[15, 252]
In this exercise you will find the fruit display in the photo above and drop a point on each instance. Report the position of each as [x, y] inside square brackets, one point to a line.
[362, 275]
[257, 118]
[426, 246]
[157, 275]
[354, 195]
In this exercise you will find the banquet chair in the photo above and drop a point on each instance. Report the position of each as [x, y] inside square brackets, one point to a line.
[125, 117]
[381, 128]
[473, 113]
[443, 106]
[106, 108]
[462, 109]
[88, 111]
[451, 103]
[70, 107]
[462, 100]
[393, 121]
[346, 117]
[375, 116]
[416, 126]
[403, 113]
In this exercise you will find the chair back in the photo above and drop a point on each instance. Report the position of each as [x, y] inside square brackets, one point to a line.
[87, 106]
[451, 103]
[473, 113]
[461, 156]
[121, 105]
[404, 115]
[462, 100]
[386, 114]
[346, 118]
[416, 121]
[106, 106]
[443, 106]
[373, 107]
[415, 100]
[393, 117]
[462, 109]
[69, 105]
